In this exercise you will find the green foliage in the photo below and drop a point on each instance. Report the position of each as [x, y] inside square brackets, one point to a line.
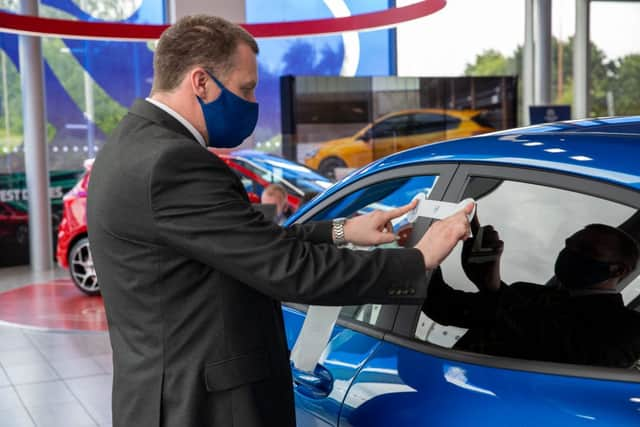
[491, 63]
[626, 85]
[14, 104]
[606, 75]
[71, 75]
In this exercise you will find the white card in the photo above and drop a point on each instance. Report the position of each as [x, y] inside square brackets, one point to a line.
[314, 336]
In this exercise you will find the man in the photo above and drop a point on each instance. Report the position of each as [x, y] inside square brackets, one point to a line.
[275, 194]
[581, 320]
[191, 274]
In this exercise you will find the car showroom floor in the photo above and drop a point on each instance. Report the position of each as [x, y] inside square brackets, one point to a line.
[55, 356]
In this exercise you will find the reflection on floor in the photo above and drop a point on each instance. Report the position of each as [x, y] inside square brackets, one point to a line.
[54, 305]
[52, 378]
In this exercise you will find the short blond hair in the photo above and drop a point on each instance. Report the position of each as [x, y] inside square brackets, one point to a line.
[275, 188]
[197, 40]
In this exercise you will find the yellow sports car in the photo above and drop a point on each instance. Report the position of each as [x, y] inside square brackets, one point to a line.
[395, 132]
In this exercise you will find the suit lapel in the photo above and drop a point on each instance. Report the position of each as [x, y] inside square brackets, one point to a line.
[152, 113]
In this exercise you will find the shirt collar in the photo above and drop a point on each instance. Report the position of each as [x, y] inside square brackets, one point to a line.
[197, 135]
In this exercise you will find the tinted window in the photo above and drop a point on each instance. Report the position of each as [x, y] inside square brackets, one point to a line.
[426, 123]
[534, 222]
[391, 127]
[384, 195]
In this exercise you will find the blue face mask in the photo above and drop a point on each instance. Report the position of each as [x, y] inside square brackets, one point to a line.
[229, 119]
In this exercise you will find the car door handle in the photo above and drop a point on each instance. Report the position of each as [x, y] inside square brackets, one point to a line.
[316, 384]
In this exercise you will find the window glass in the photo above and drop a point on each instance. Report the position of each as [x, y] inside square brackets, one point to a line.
[393, 126]
[534, 222]
[426, 123]
[384, 195]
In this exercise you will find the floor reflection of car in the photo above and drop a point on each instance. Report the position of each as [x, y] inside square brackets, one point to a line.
[256, 170]
[395, 132]
[14, 223]
[392, 365]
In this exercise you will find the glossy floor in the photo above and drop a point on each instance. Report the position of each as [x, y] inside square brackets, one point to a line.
[52, 378]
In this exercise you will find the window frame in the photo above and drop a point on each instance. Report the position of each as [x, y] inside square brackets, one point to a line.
[407, 316]
[388, 313]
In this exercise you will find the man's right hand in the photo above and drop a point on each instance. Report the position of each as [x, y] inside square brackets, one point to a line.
[440, 239]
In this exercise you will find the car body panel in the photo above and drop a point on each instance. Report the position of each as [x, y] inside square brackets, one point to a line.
[400, 386]
[73, 225]
[11, 220]
[409, 382]
[344, 357]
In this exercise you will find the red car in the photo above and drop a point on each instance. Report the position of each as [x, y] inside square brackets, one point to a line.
[72, 251]
[14, 223]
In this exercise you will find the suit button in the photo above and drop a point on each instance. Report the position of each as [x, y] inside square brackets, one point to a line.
[412, 291]
[405, 292]
[391, 292]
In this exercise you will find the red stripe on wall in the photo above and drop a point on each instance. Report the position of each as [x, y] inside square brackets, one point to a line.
[32, 25]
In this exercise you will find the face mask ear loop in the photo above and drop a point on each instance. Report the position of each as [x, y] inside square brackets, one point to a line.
[220, 85]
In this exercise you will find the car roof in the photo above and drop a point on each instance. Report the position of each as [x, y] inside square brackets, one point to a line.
[469, 112]
[606, 149]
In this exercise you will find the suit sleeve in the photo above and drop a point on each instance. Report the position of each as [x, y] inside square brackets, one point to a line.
[316, 232]
[199, 212]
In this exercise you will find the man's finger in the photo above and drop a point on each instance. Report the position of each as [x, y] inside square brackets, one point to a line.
[469, 208]
[394, 213]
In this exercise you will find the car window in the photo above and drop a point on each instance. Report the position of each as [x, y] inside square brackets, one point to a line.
[391, 127]
[533, 221]
[383, 195]
[426, 123]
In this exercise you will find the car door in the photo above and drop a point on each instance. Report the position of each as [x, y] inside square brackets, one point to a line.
[416, 376]
[319, 394]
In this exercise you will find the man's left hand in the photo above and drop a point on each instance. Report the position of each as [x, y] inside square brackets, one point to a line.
[375, 227]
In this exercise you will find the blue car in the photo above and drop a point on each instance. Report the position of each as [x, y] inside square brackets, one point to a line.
[298, 179]
[389, 365]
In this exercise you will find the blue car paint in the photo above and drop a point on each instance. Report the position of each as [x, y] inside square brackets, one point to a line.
[396, 386]
[402, 387]
[385, 384]
[297, 174]
[344, 358]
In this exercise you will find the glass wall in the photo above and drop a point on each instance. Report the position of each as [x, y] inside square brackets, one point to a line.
[344, 123]
[89, 86]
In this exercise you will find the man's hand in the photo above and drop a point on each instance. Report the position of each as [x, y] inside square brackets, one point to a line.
[485, 275]
[375, 227]
[440, 239]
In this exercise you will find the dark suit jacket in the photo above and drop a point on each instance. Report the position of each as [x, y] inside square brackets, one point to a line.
[191, 276]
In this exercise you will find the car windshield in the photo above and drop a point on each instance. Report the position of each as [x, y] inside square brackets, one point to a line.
[300, 176]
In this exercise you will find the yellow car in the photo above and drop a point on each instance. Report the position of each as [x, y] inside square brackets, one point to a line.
[395, 132]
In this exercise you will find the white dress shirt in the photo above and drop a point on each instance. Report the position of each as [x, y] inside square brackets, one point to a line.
[197, 135]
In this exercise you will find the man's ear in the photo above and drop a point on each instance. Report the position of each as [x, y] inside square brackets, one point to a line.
[199, 81]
